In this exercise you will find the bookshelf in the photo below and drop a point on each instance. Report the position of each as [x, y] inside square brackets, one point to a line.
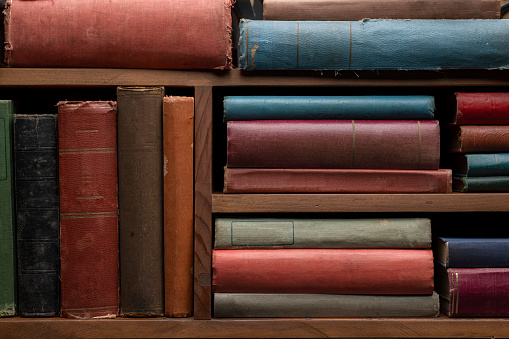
[208, 87]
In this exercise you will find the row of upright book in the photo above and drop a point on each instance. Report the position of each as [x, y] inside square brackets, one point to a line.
[97, 207]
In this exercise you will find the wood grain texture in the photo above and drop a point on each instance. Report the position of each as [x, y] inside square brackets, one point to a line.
[203, 207]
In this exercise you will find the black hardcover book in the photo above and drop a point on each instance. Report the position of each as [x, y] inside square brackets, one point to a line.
[37, 214]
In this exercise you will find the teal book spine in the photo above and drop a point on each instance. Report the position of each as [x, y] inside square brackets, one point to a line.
[481, 165]
[374, 44]
[8, 281]
[491, 184]
[376, 107]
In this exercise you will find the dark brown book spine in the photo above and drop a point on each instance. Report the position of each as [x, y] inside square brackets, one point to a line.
[140, 162]
[477, 139]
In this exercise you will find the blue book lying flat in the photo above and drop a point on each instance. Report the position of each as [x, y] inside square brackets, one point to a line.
[374, 44]
[389, 107]
[480, 165]
[471, 252]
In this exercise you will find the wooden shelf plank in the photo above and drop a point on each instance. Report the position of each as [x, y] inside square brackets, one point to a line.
[111, 77]
[305, 203]
[441, 327]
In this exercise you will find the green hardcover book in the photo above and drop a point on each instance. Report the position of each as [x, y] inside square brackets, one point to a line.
[8, 293]
[322, 233]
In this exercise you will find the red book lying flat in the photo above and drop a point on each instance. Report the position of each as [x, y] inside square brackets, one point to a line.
[480, 108]
[323, 271]
[348, 144]
[277, 180]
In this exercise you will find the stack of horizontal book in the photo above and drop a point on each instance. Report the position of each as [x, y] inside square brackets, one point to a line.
[477, 141]
[472, 276]
[323, 267]
[333, 144]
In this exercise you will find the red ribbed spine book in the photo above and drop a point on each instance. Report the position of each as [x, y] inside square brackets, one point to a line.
[334, 271]
[347, 144]
[481, 108]
[88, 209]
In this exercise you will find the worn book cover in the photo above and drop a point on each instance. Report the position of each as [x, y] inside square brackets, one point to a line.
[373, 9]
[468, 184]
[87, 147]
[323, 271]
[340, 144]
[178, 139]
[37, 214]
[479, 108]
[8, 281]
[140, 185]
[295, 232]
[476, 139]
[160, 34]
[282, 180]
[471, 252]
[478, 164]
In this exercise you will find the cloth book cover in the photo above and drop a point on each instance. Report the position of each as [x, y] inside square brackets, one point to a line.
[87, 146]
[37, 214]
[471, 252]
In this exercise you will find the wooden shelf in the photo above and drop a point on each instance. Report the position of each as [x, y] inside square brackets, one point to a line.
[441, 327]
[309, 203]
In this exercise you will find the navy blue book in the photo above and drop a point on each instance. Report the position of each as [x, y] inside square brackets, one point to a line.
[480, 165]
[37, 214]
[374, 44]
[471, 252]
[374, 107]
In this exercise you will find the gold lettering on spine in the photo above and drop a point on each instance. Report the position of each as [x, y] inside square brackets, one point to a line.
[353, 144]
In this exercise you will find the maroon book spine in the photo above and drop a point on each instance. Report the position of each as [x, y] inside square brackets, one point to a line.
[277, 180]
[482, 108]
[359, 144]
[323, 271]
[477, 139]
[88, 209]
[478, 292]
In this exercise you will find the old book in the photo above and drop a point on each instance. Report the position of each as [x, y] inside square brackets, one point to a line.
[196, 34]
[479, 108]
[479, 165]
[372, 9]
[244, 232]
[280, 180]
[373, 107]
[343, 144]
[471, 252]
[473, 292]
[480, 184]
[374, 44]
[9, 281]
[476, 139]
[291, 305]
[178, 138]
[87, 147]
[323, 271]
[140, 185]
[37, 214]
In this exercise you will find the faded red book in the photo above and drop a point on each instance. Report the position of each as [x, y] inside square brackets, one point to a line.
[477, 139]
[159, 34]
[87, 146]
[323, 271]
[473, 292]
[359, 144]
[278, 180]
[480, 108]
[178, 137]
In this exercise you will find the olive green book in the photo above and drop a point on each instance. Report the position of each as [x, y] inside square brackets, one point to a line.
[8, 293]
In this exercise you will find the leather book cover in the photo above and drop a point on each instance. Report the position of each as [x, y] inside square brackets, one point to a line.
[471, 252]
[341, 144]
[480, 108]
[160, 34]
[373, 9]
[476, 139]
[8, 281]
[281, 180]
[303, 305]
[140, 185]
[489, 184]
[87, 149]
[178, 140]
[478, 164]
[37, 214]
[323, 271]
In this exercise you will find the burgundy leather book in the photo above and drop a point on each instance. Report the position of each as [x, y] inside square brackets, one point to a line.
[480, 108]
[87, 145]
[359, 144]
[277, 180]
